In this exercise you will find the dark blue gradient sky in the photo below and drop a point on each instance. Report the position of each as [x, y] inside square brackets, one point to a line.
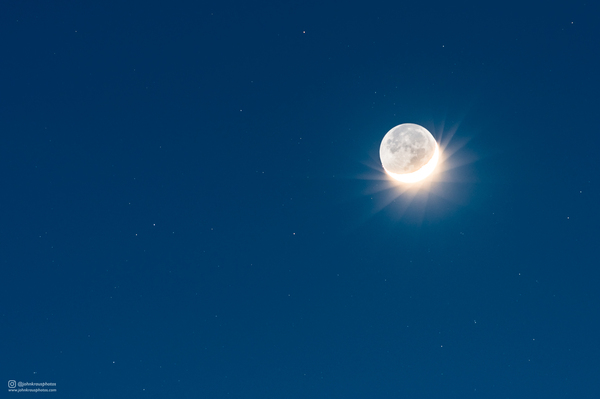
[192, 204]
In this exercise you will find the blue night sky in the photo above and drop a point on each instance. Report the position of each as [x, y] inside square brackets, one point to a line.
[193, 204]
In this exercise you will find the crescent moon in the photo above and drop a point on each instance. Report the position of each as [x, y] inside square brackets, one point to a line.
[409, 153]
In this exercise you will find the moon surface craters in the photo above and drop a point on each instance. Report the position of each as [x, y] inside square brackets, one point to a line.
[406, 148]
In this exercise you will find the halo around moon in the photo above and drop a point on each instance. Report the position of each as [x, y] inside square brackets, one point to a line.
[409, 153]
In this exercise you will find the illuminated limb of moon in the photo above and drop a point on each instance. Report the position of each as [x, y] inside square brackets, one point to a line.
[420, 174]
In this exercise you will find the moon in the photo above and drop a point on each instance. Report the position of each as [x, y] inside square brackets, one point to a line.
[409, 153]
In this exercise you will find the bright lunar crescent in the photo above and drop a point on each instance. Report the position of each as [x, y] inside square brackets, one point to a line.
[409, 153]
